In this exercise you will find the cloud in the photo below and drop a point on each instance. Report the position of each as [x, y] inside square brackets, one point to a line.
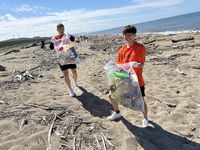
[155, 3]
[81, 20]
[26, 8]
[140, 4]
[144, 2]
[7, 17]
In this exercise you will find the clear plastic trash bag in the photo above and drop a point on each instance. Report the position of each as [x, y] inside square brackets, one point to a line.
[124, 85]
[67, 55]
[66, 52]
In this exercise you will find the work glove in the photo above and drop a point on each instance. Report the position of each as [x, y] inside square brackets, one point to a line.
[133, 64]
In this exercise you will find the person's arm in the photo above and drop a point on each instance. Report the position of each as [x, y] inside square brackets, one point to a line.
[140, 65]
[51, 46]
[141, 59]
[71, 37]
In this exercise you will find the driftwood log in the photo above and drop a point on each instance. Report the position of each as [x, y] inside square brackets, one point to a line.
[12, 51]
[2, 68]
[184, 39]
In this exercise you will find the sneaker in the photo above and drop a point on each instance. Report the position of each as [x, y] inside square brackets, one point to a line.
[76, 85]
[114, 116]
[145, 122]
[71, 92]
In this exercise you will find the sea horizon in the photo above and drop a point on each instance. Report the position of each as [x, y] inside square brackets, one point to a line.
[185, 23]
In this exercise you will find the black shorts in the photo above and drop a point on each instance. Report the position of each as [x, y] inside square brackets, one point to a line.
[142, 89]
[68, 66]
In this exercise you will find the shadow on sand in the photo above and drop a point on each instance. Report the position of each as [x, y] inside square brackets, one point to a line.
[96, 106]
[156, 138]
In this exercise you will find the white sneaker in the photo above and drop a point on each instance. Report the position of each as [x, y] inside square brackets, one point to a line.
[114, 116]
[71, 93]
[145, 122]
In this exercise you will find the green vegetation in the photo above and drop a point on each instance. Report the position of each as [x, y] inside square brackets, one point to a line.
[12, 47]
[19, 43]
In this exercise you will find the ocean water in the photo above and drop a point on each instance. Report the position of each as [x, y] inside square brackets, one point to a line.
[177, 24]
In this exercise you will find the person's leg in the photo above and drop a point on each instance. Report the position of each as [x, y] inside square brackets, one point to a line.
[74, 74]
[113, 102]
[145, 110]
[67, 81]
[66, 77]
[116, 114]
[145, 120]
[145, 114]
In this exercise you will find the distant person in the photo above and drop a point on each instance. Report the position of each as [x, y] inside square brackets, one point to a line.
[81, 37]
[133, 53]
[64, 68]
[42, 41]
[86, 39]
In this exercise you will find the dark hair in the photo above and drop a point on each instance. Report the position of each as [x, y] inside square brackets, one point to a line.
[129, 29]
[60, 25]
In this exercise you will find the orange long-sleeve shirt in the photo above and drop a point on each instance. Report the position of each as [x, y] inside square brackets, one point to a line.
[137, 53]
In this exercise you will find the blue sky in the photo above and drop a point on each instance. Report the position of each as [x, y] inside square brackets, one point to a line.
[28, 18]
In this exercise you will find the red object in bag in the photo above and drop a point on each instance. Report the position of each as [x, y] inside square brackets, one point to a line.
[60, 49]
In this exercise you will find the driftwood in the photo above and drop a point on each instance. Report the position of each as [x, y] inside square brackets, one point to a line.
[74, 143]
[184, 39]
[45, 120]
[35, 67]
[180, 72]
[107, 139]
[65, 145]
[2, 68]
[167, 103]
[72, 129]
[12, 51]
[79, 144]
[23, 122]
[150, 41]
[98, 144]
[24, 76]
[68, 134]
[50, 132]
[160, 63]
[37, 106]
[3, 102]
[104, 144]
[23, 107]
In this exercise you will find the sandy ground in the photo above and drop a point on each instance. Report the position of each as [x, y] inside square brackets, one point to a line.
[38, 114]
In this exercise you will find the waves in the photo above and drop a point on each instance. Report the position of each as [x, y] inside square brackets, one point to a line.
[187, 23]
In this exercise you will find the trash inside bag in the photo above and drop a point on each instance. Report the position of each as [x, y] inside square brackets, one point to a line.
[66, 52]
[68, 55]
[124, 85]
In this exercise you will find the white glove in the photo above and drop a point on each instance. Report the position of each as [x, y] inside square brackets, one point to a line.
[109, 65]
[133, 64]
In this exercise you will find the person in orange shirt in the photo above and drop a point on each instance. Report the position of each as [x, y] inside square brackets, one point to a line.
[56, 41]
[133, 53]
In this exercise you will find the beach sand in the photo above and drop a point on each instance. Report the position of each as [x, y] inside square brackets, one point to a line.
[38, 114]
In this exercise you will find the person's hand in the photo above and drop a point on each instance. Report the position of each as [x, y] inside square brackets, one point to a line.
[72, 56]
[133, 64]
